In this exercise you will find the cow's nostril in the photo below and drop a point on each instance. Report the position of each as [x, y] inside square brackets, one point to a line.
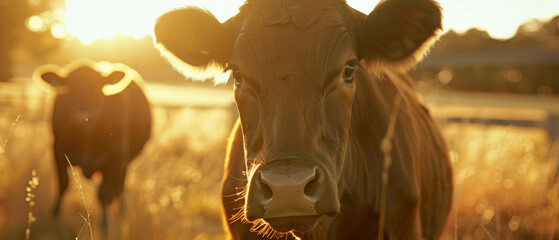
[311, 190]
[278, 191]
[265, 193]
[288, 184]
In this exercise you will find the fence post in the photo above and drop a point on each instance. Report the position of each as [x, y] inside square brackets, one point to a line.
[552, 128]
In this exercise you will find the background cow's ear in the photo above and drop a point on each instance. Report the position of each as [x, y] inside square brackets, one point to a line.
[195, 37]
[117, 81]
[397, 33]
[115, 77]
[53, 79]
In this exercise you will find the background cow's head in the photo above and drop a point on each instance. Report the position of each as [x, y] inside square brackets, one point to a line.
[83, 85]
[293, 63]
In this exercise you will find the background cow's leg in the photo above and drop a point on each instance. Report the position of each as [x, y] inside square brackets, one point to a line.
[121, 178]
[116, 231]
[111, 186]
[61, 169]
[104, 197]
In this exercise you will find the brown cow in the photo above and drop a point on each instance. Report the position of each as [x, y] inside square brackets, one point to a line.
[315, 84]
[100, 122]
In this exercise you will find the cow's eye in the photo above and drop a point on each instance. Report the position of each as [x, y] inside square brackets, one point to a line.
[237, 76]
[348, 72]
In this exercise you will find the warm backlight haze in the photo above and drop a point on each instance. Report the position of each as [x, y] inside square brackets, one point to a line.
[104, 19]
[496, 102]
[500, 18]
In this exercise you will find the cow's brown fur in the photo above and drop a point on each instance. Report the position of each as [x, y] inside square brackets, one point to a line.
[100, 122]
[284, 51]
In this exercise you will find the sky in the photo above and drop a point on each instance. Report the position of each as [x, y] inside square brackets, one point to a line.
[82, 18]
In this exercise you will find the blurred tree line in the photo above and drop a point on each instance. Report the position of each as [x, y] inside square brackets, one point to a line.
[528, 63]
[17, 29]
[28, 39]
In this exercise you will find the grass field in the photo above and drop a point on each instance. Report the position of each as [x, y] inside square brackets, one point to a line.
[503, 175]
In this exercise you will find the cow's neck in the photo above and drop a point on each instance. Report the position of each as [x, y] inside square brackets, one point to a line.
[370, 113]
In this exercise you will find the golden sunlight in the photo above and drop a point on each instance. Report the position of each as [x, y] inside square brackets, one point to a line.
[104, 19]
[35, 23]
[500, 18]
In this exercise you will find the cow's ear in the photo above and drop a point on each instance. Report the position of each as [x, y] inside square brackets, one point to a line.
[52, 78]
[194, 42]
[117, 81]
[397, 33]
[115, 77]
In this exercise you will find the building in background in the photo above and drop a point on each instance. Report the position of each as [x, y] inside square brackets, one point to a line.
[528, 63]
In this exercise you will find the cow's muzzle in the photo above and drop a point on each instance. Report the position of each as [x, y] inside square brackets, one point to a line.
[291, 195]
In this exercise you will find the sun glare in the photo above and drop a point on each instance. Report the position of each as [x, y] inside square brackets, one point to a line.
[58, 30]
[500, 18]
[35, 23]
[104, 19]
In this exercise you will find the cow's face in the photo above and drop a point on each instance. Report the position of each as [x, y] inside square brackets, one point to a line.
[80, 91]
[294, 88]
[293, 67]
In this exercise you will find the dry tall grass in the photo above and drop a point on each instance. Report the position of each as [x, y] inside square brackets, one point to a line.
[502, 174]
[386, 149]
[504, 185]
[30, 198]
[87, 217]
[172, 189]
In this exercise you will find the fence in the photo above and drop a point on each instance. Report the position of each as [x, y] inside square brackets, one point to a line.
[496, 109]
[25, 97]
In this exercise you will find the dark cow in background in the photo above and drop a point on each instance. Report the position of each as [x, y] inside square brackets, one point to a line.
[100, 122]
[315, 85]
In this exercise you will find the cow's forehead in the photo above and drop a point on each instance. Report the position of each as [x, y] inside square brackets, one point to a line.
[84, 77]
[309, 40]
[301, 13]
